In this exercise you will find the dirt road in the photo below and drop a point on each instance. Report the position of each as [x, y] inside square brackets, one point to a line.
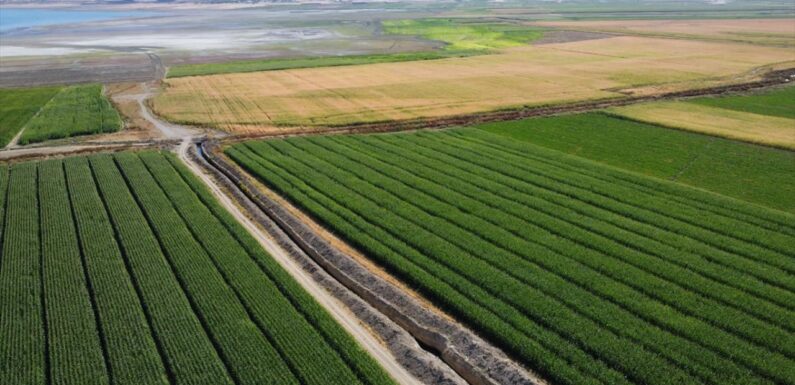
[167, 130]
[337, 310]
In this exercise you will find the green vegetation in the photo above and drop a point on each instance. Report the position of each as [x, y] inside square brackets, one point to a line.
[588, 274]
[754, 173]
[75, 110]
[463, 38]
[123, 268]
[779, 102]
[17, 106]
[283, 64]
[463, 35]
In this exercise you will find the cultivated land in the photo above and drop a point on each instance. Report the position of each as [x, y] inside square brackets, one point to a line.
[465, 36]
[588, 274]
[17, 106]
[757, 174]
[757, 31]
[33, 115]
[529, 75]
[749, 127]
[123, 269]
[778, 102]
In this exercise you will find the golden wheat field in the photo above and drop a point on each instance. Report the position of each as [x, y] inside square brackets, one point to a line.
[758, 31]
[529, 75]
[745, 126]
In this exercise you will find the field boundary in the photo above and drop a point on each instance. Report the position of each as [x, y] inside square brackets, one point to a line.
[470, 356]
[771, 79]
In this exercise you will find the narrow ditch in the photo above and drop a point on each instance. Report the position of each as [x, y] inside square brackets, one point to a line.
[458, 349]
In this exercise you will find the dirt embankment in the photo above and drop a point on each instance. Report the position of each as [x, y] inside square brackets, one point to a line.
[471, 357]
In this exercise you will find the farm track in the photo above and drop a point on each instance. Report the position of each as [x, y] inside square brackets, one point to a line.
[314, 279]
[578, 234]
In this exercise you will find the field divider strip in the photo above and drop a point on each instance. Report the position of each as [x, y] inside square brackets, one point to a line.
[42, 297]
[89, 284]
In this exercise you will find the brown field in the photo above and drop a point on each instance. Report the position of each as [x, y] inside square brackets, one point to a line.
[758, 31]
[754, 128]
[530, 75]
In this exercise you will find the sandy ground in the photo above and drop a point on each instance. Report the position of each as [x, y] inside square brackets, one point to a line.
[744, 126]
[529, 75]
[337, 310]
[759, 31]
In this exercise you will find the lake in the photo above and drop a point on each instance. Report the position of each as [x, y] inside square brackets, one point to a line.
[13, 18]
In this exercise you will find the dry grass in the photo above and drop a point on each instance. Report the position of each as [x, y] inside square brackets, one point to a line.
[530, 75]
[758, 31]
[755, 128]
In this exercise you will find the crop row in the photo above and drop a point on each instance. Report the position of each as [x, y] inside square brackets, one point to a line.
[523, 251]
[75, 110]
[139, 280]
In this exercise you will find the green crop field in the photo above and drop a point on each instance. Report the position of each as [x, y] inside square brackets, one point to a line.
[17, 106]
[465, 36]
[779, 102]
[123, 269]
[758, 174]
[75, 110]
[283, 64]
[583, 272]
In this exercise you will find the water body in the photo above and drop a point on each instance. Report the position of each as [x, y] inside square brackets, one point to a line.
[25, 18]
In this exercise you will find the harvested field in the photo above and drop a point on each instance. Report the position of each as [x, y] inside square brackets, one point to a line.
[529, 75]
[123, 269]
[732, 124]
[587, 274]
[757, 31]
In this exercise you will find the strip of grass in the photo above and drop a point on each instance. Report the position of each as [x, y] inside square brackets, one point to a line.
[17, 106]
[780, 102]
[283, 64]
[757, 174]
[463, 35]
[75, 110]
[583, 272]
